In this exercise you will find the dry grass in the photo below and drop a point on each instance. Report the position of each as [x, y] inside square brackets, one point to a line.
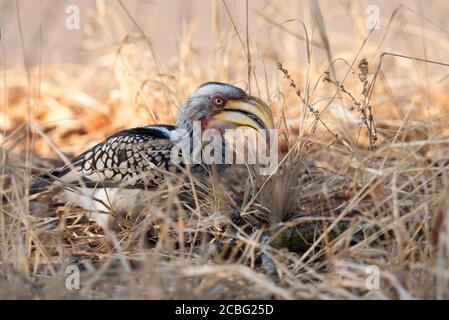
[363, 179]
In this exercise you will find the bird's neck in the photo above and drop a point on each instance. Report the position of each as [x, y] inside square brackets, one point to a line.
[192, 139]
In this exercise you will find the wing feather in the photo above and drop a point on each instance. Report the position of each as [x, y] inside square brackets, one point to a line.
[130, 158]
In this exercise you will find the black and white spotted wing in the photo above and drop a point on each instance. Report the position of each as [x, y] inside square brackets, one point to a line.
[130, 158]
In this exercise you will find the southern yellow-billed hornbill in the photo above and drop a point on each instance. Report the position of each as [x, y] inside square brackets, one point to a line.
[118, 169]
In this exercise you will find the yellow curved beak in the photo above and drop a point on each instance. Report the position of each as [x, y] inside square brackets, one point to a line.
[251, 112]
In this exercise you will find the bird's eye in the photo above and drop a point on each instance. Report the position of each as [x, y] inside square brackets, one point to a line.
[218, 100]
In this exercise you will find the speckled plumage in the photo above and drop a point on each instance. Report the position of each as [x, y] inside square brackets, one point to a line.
[116, 173]
[130, 158]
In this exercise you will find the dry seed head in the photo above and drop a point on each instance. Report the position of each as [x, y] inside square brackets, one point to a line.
[363, 70]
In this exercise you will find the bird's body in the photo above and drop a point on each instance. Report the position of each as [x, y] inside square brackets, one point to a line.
[118, 172]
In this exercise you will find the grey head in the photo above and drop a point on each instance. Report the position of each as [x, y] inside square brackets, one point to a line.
[200, 104]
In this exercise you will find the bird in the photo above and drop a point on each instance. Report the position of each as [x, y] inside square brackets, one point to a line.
[117, 171]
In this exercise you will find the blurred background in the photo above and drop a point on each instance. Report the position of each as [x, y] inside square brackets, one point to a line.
[166, 23]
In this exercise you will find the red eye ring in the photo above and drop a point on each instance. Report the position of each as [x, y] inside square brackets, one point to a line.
[218, 99]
